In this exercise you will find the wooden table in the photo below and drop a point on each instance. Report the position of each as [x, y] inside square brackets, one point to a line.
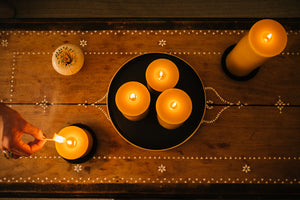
[247, 144]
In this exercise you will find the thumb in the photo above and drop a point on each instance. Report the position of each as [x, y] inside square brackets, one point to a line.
[34, 131]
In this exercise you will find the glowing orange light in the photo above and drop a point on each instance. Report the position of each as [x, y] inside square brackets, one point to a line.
[132, 97]
[71, 142]
[161, 75]
[58, 138]
[173, 105]
[268, 37]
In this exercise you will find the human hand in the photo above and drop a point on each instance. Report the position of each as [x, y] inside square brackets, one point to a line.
[12, 127]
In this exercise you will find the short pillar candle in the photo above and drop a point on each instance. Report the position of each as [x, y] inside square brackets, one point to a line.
[162, 74]
[133, 100]
[266, 38]
[67, 59]
[173, 107]
[77, 143]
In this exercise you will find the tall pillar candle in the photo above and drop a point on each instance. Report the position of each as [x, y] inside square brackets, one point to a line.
[266, 38]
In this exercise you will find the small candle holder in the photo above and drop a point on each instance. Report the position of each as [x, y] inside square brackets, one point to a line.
[92, 142]
[229, 74]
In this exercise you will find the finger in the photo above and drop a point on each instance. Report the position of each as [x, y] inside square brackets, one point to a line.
[10, 146]
[36, 145]
[34, 131]
[20, 146]
[16, 153]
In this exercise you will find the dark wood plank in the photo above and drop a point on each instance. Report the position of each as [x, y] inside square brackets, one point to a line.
[156, 8]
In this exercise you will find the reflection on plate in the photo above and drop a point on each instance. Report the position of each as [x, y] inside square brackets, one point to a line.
[147, 133]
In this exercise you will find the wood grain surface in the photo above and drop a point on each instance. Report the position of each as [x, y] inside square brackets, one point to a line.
[248, 143]
[156, 8]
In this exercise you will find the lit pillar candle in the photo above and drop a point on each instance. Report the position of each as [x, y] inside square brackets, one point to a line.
[162, 74]
[67, 59]
[266, 38]
[173, 107]
[74, 143]
[133, 100]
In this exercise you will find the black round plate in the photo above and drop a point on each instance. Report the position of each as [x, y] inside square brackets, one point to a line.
[148, 133]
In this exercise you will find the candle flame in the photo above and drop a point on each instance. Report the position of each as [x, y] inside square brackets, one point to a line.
[173, 105]
[132, 97]
[161, 75]
[69, 142]
[268, 37]
[59, 139]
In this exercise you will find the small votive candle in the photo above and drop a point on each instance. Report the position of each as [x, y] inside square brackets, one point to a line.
[266, 38]
[162, 74]
[76, 143]
[133, 100]
[173, 107]
[67, 59]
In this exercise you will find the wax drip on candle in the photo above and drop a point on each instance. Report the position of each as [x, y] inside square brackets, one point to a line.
[267, 37]
[173, 105]
[132, 97]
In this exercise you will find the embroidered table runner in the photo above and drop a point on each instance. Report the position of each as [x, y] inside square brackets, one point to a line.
[249, 135]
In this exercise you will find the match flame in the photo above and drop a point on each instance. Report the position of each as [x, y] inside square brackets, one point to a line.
[59, 139]
[132, 97]
[268, 37]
